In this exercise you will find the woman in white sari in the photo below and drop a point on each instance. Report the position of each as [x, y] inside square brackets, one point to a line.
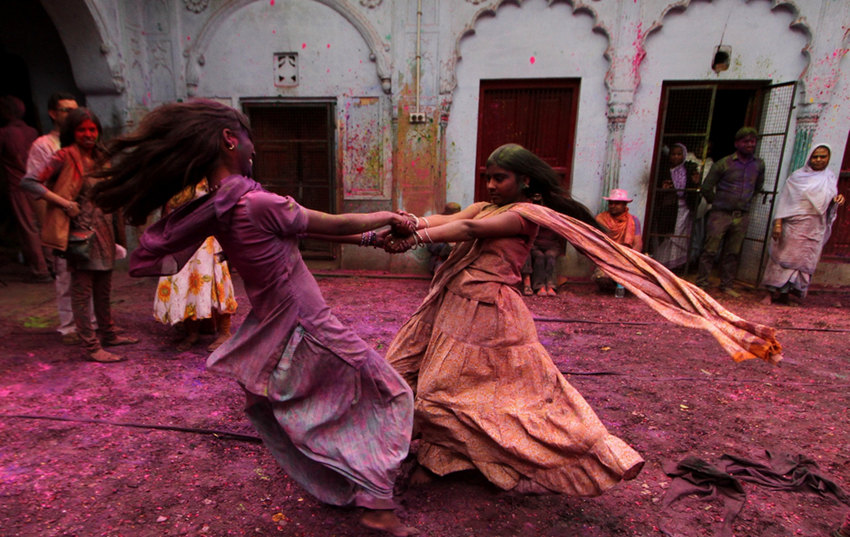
[806, 209]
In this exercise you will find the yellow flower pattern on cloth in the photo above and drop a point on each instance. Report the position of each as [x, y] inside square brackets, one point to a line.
[203, 285]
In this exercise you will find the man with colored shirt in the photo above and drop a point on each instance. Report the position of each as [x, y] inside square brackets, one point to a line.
[729, 188]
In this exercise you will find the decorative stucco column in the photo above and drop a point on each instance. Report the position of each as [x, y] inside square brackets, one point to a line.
[618, 111]
[807, 119]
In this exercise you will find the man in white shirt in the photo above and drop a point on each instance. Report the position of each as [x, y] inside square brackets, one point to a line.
[42, 149]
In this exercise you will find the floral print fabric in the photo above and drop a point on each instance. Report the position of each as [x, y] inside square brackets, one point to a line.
[203, 285]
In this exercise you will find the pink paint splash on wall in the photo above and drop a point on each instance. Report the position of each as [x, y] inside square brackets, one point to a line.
[271, 2]
[640, 52]
[329, 45]
[531, 60]
[303, 45]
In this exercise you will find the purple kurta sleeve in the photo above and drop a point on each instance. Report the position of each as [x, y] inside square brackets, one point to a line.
[279, 215]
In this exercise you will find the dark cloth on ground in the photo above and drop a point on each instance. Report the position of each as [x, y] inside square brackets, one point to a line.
[784, 471]
[695, 476]
[781, 471]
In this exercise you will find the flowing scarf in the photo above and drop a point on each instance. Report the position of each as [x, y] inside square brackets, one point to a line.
[621, 228]
[675, 299]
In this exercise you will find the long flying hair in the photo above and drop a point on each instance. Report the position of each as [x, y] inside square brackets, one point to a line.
[175, 146]
[542, 179]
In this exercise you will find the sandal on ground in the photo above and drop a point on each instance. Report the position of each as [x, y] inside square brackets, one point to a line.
[527, 290]
[105, 357]
[120, 340]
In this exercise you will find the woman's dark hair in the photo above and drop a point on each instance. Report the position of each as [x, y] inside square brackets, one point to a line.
[175, 146]
[542, 179]
[75, 118]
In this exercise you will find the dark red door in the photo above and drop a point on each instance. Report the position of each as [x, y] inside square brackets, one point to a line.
[838, 246]
[538, 114]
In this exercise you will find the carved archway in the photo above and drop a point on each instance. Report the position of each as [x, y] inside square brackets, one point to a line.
[93, 53]
[448, 82]
[379, 49]
[798, 23]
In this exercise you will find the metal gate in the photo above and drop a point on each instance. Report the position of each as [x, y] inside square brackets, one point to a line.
[777, 104]
[686, 117]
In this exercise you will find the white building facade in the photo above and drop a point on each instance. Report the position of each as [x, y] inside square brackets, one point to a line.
[396, 101]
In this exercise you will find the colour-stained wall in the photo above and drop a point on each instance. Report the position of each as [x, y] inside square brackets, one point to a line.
[683, 47]
[561, 45]
[128, 56]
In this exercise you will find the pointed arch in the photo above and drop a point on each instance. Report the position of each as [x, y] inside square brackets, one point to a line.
[379, 49]
[798, 23]
[449, 81]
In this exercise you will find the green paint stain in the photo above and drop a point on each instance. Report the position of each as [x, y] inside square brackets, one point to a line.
[36, 322]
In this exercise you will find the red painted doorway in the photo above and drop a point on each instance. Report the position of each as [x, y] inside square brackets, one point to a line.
[838, 247]
[539, 114]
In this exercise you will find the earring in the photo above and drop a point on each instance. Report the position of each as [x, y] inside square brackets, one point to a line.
[231, 147]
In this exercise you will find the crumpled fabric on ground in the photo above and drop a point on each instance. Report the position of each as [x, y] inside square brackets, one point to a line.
[695, 476]
[783, 471]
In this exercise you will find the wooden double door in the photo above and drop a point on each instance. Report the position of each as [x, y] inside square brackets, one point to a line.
[294, 144]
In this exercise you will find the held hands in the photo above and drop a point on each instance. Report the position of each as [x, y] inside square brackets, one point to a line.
[777, 230]
[404, 224]
[839, 199]
[403, 234]
[394, 244]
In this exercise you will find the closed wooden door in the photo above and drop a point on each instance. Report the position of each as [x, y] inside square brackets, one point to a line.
[838, 247]
[294, 157]
[539, 114]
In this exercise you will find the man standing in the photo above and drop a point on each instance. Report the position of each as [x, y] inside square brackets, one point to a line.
[42, 149]
[623, 228]
[16, 137]
[729, 188]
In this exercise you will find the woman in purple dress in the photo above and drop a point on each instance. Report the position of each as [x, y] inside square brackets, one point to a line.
[334, 414]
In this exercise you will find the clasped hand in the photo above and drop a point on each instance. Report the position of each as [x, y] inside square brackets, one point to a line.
[399, 238]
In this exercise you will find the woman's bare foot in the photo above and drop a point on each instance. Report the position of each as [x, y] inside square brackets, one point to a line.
[386, 520]
[420, 476]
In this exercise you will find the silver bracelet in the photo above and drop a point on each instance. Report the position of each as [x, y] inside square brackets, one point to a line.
[417, 240]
